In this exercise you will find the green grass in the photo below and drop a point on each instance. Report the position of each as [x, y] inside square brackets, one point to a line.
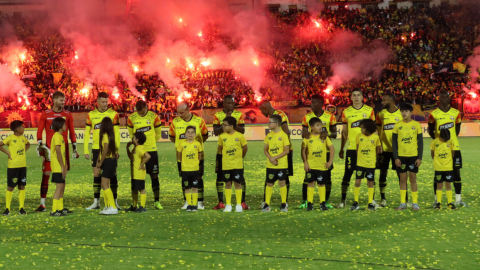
[174, 239]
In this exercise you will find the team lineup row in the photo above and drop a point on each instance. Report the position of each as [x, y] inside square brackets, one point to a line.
[396, 137]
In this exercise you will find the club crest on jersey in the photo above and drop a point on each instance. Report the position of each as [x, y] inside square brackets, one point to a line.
[269, 138]
[413, 128]
[452, 118]
[14, 141]
[236, 139]
[364, 115]
[397, 119]
[280, 138]
[311, 141]
[372, 141]
[361, 139]
[224, 140]
[400, 128]
[149, 122]
[195, 146]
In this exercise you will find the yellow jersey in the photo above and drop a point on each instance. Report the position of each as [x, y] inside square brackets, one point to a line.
[407, 138]
[232, 151]
[104, 141]
[219, 116]
[317, 152]
[443, 156]
[190, 153]
[276, 143]
[352, 118]
[178, 126]
[138, 156]
[94, 120]
[150, 124]
[57, 139]
[446, 120]
[387, 120]
[327, 118]
[284, 120]
[367, 150]
[16, 147]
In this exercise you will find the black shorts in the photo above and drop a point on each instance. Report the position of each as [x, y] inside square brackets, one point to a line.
[316, 175]
[441, 177]
[138, 184]
[16, 177]
[58, 178]
[201, 170]
[290, 163]
[95, 153]
[276, 174]
[190, 179]
[351, 160]
[383, 161]
[368, 173]
[218, 163]
[152, 164]
[457, 160]
[408, 164]
[109, 168]
[235, 175]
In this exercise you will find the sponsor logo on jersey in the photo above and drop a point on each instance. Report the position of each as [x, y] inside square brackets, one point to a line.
[97, 126]
[182, 136]
[388, 127]
[356, 124]
[446, 126]
[143, 129]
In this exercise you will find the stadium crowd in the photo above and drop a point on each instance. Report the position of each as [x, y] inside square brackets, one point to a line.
[429, 48]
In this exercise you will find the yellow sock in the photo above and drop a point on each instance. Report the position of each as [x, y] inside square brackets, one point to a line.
[21, 198]
[60, 204]
[356, 193]
[268, 194]
[105, 198]
[283, 194]
[439, 196]
[228, 196]
[371, 191]
[310, 193]
[449, 196]
[321, 190]
[403, 193]
[55, 205]
[111, 200]
[9, 199]
[143, 200]
[415, 197]
[194, 198]
[135, 199]
[238, 195]
[189, 198]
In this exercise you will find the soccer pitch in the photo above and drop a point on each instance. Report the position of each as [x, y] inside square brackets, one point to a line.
[175, 239]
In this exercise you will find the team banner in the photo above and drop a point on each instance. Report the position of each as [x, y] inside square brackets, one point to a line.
[252, 133]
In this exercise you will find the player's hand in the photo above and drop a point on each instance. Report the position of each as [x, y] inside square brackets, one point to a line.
[142, 167]
[47, 152]
[418, 162]
[9, 156]
[275, 162]
[272, 160]
[99, 164]
[87, 156]
[64, 171]
[323, 135]
[75, 154]
[129, 143]
[117, 156]
[39, 143]
[341, 154]
[398, 163]
[328, 164]
[306, 167]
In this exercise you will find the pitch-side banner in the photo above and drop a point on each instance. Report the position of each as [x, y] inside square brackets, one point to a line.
[252, 133]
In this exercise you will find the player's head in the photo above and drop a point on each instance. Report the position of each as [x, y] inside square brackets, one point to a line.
[17, 126]
[266, 108]
[102, 101]
[316, 125]
[317, 103]
[183, 110]
[444, 98]
[444, 135]
[407, 111]
[58, 99]
[368, 127]
[58, 125]
[190, 132]
[139, 138]
[388, 100]
[357, 96]
[274, 121]
[228, 103]
[106, 127]
[141, 107]
[229, 124]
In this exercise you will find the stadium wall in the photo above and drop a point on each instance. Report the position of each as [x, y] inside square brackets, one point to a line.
[252, 133]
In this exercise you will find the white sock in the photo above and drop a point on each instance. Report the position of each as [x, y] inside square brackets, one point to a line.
[458, 197]
[95, 200]
[42, 201]
[435, 198]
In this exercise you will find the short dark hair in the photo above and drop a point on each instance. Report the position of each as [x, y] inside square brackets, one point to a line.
[231, 121]
[191, 127]
[58, 123]
[276, 118]
[356, 90]
[140, 105]
[445, 134]
[369, 125]
[141, 138]
[102, 95]
[390, 95]
[318, 97]
[444, 92]
[228, 97]
[406, 107]
[15, 124]
[58, 94]
[313, 121]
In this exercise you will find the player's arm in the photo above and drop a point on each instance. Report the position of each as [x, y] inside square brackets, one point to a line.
[431, 126]
[86, 137]
[240, 128]
[129, 153]
[130, 127]
[203, 130]
[306, 167]
[219, 149]
[5, 150]
[378, 120]
[286, 150]
[418, 162]
[116, 130]
[217, 130]
[146, 158]
[332, 155]
[285, 128]
[27, 146]
[73, 137]
[305, 132]
[265, 151]
[41, 127]
[344, 140]
[333, 131]
[432, 152]
[58, 149]
[244, 149]
[200, 156]
[395, 146]
[158, 128]
[457, 128]
[379, 147]
[179, 155]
